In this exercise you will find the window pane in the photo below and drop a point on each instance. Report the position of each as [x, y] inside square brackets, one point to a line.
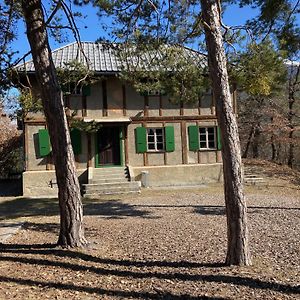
[159, 131]
[210, 130]
[203, 144]
[160, 146]
[150, 131]
[211, 144]
[151, 146]
[150, 139]
[202, 130]
[159, 139]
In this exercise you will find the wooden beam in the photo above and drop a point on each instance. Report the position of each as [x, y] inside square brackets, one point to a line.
[165, 152]
[184, 143]
[213, 104]
[172, 118]
[104, 96]
[89, 148]
[124, 100]
[26, 146]
[125, 128]
[84, 106]
[146, 105]
[145, 154]
[160, 105]
[181, 108]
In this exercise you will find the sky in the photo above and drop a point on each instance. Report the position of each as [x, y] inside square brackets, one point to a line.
[90, 29]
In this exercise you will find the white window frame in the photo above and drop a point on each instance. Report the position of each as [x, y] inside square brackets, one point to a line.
[155, 141]
[206, 138]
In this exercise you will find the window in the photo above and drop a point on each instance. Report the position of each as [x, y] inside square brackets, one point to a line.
[204, 138]
[155, 139]
[207, 136]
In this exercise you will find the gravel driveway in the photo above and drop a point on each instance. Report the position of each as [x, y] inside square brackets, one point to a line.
[159, 245]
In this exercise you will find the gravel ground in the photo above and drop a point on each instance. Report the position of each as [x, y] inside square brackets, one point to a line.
[168, 245]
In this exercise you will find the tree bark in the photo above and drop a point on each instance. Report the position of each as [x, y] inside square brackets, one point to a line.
[71, 212]
[237, 230]
[249, 140]
[256, 141]
[291, 101]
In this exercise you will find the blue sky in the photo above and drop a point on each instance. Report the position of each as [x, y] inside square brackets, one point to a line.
[89, 26]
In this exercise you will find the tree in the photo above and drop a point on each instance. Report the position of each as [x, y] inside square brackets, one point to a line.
[71, 211]
[156, 23]
[236, 211]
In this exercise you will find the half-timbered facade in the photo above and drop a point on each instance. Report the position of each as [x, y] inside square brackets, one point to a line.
[176, 144]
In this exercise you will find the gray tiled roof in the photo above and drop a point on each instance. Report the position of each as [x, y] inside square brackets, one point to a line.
[98, 57]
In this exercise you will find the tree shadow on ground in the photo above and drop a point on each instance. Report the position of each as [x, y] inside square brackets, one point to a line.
[29, 207]
[103, 267]
[217, 210]
[115, 209]
[42, 227]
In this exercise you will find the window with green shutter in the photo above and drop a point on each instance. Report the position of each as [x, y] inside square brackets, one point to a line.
[141, 139]
[169, 139]
[76, 141]
[44, 142]
[193, 132]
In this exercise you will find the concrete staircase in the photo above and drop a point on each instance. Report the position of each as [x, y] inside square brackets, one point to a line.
[105, 181]
[252, 178]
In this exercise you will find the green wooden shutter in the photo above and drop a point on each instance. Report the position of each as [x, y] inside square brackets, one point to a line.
[194, 144]
[86, 90]
[76, 141]
[219, 143]
[44, 142]
[169, 138]
[141, 139]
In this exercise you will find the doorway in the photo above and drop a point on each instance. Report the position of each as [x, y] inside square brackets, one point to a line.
[108, 147]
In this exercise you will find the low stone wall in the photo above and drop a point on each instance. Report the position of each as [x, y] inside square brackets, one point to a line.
[181, 174]
[43, 183]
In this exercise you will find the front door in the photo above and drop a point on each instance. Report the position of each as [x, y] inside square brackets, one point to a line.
[108, 146]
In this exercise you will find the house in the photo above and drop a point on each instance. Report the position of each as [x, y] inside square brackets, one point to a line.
[177, 144]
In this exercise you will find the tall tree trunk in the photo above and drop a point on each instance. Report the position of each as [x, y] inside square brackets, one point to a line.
[292, 90]
[255, 141]
[237, 230]
[250, 137]
[71, 212]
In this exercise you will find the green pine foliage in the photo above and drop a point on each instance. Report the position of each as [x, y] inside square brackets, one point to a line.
[260, 70]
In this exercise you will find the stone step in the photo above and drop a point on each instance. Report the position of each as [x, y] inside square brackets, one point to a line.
[113, 190]
[251, 175]
[88, 188]
[113, 170]
[109, 180]
[253, 178]
[109, 176]
[98, 194]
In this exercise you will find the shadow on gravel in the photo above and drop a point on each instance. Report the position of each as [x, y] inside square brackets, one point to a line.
[104, 292]
[114, 209]
[29, 207]
[216, 210]
[100, 268]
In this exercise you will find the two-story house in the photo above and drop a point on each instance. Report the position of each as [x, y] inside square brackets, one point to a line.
[177, 144]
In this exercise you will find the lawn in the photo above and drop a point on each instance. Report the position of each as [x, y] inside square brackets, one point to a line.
[157, 245]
